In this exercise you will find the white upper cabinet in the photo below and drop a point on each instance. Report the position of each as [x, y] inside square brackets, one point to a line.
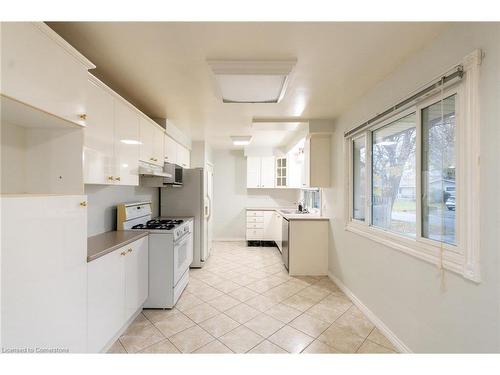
[152, 138]
[183, 156]
[99, 136]
[111, 138]
[253, 172]
[267, 172]
[158, 145]
[170, 150]
[126, 144]
[41, 69]
[176, 153]
[260, 172]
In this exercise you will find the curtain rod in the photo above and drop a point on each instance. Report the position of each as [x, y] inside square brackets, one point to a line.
[458, 73]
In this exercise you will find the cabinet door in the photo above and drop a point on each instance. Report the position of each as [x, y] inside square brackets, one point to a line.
[279, 231]
[158, 146]
[98, 141]
[268, 225]
[183, 156]
[170, 150]
[106, 299]
[136, 276]
[39, 71]
[44, 272]
[146, 131]
[253, 172]
[126, 144]
[267, 172]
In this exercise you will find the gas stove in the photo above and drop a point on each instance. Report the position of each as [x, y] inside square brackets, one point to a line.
[162, 224]
[138, 216]
[170, 251]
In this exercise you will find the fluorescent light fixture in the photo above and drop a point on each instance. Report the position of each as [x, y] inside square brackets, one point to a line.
[241, 140]
[130, 141]
[251, 81]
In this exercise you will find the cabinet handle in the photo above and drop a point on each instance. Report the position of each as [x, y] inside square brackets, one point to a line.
[152, 159]
[110, 178]
[123, 253]
[129, 250]
[83, 116]
[83, 204]
[117, 179]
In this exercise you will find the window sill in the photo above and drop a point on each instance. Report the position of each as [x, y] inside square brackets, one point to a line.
[452, 260]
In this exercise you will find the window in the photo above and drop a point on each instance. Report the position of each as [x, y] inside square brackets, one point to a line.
[394, 176]
[438, 171]
[414, 175]
[359, 177]
[311, 199]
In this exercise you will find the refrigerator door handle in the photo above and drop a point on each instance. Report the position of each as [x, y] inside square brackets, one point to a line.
[208, 207]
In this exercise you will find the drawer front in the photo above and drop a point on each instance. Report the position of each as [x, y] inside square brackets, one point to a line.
[256, 219]
[255, 234]
[255, 225]
[255, 213]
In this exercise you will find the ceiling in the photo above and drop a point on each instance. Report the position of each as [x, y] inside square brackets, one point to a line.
[161, 67]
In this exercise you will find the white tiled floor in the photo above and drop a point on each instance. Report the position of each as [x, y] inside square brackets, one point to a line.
[244, 301]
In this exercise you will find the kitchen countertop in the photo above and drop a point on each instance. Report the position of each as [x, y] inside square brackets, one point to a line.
[289, 216]
[104, 243]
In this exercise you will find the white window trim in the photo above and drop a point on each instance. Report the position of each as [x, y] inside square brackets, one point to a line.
[464, 257]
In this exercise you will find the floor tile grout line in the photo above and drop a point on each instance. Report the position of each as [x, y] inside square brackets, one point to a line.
[366, 338]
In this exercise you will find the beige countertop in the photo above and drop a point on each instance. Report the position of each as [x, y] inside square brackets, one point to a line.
[289, 216]
[104, 243]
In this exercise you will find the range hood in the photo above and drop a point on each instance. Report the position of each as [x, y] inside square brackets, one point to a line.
[152, 171]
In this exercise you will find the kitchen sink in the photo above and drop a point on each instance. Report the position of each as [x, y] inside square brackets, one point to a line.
[293, 212]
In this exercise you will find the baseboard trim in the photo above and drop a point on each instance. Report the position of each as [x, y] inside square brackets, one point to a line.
[400, 345]
[229, 239]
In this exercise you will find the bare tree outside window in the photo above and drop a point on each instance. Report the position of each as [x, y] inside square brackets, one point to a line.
[394, 176]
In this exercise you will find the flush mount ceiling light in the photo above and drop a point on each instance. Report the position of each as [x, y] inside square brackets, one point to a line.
[130, 142]
[251, 81]
[241, 140]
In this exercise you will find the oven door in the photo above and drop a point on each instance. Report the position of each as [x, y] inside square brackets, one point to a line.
[183, 255]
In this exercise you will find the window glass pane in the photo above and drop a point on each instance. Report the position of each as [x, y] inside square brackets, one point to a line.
[359, 178]
[311, 199]
[438, 171]
[394, 176]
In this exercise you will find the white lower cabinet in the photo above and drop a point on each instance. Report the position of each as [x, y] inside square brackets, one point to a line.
[117, 288]
[277, 229]
[268, 227]
[264, 225]
[44, 272]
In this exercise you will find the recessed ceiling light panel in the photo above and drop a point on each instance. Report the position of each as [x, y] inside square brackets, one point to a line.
[241, 140]
[251, 81]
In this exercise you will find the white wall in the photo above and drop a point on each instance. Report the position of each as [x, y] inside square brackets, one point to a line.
[102, 201]
[231, 196]
[402, 291]
[201, 153]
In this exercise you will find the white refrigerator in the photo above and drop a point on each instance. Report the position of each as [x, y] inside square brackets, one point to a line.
[193, 198]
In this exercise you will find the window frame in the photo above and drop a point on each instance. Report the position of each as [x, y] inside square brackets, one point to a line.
[462, 258]
[351, 194]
